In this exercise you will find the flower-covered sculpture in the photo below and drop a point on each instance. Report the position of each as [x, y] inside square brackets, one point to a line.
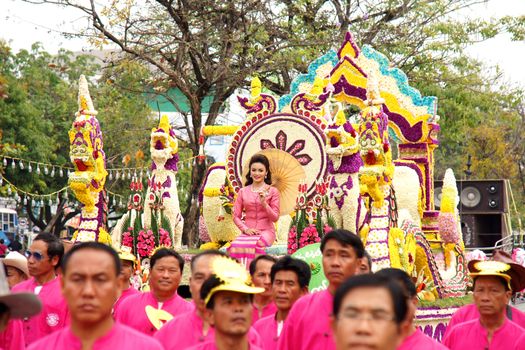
[89, 161]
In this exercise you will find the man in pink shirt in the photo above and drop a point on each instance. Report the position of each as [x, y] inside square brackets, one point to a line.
[91, 285]
[290, 278]
[263, 303]
[308, 324]
[493, 284]
[369, 312]
[414, 338]
[127, 261]
[43, 257]
[13, 307]
[227, 295]
[146, 312]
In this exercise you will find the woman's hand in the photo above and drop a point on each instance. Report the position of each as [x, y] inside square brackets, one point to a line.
[251, 232]
[262, 197]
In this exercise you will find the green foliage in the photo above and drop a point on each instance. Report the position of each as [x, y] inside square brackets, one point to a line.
[165, 223]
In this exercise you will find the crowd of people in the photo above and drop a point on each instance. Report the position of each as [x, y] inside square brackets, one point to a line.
[83, 300]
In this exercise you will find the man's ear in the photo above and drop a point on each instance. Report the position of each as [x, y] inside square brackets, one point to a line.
[54, 261]
[304, 290]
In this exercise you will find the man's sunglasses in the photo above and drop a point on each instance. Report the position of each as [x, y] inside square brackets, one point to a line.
[38, 256]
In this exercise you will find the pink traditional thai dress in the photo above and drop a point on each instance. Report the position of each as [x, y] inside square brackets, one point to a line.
[471, 335]
[119, 337]
[54, 314]
[256, 216]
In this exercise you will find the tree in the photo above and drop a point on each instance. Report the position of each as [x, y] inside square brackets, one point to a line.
[209, 48]
[37, 110]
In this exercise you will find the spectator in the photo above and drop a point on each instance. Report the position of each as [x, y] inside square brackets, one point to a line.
[16, 266]
[368, 312]
[91, 284]
[263, 304]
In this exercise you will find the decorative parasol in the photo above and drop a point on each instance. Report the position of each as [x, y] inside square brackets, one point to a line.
[312, 255]
[287, 173]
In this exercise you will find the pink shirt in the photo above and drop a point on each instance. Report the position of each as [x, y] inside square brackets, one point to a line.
[470, 312]
[132, 311]
[520, 343]
[256, 215]
[419, 340]
[54, 314]
[119, 337]
[267, 329]
[471, 335]
[185, 331]
[308, 324]
[269, 309]
[125, 293]
[211, 346]
[12, 338]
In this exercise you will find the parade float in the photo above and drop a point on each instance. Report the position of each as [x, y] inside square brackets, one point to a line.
[351, 178]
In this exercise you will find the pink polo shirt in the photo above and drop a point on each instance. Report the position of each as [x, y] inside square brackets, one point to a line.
[267, 329]
[419, 340]
[185, 331]
[119, 337]
[125, 293]
[470, 312]
[54, 314]
[12, 338]
[308, 324]
[267, 310]
[132, 310]
[520, 343]
[471, 335]
[211, 346]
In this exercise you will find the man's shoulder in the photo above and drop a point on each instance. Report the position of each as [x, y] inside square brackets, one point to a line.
[138, 339]
[176, 323]
[264, 322]
[50, 341]
[23, 286]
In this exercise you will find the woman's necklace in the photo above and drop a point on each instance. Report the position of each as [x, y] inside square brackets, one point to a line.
[258, 189]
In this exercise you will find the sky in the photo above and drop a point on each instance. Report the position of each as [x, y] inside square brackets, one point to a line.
[21, 24]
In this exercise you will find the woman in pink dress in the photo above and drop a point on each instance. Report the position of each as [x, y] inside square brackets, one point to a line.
[259, 202]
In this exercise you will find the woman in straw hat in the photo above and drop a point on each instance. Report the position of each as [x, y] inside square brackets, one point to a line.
[260, 203]
[16, 268]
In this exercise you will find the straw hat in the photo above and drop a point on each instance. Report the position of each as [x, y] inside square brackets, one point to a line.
[20, 305]
[233, 277]
[124, 253]
[514, 274]
[18, 261]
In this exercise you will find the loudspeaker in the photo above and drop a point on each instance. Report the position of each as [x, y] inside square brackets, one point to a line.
[482, 209]
[477, 196]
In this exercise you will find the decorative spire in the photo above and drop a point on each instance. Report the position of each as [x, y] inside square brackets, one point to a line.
[349, 48]
[164, 123]
[85, 104]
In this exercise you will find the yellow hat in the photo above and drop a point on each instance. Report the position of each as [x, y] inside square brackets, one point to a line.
[124, 253]
[514, 274]
[233, 277]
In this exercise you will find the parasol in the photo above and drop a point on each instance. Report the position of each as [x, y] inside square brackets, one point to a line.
[312, 255]
[287, 173]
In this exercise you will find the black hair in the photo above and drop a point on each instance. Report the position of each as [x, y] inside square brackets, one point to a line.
[164, 252]
[259, 158]
[92, 246]
[253, 263]
[54, 246]
[345, 238]
[301, 269]
[373, 281]
[1, 241]
[214, 252]
[499, 278]
[401, 277]
[368, 259]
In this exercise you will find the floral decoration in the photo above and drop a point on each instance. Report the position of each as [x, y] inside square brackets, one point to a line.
[145, 243]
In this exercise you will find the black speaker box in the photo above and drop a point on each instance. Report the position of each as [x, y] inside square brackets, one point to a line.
[481, 230]
[477, 196]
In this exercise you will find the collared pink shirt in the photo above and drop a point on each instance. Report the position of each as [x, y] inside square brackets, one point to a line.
[54, 314]
[125, 294]
[470, 312]
[12, 338]
[308, 324]
[119, 337]
[471, 335]
[419, 340]
[211, 346]
[132, 311]
[267, 329]
[267, 310]
[185, 331]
